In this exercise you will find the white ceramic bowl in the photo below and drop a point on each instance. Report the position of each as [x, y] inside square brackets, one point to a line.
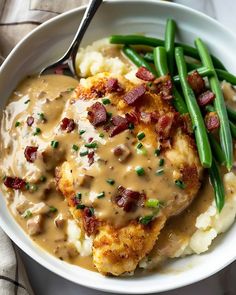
[119, 17]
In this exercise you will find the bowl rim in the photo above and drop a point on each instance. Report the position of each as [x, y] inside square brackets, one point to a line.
[30, 250]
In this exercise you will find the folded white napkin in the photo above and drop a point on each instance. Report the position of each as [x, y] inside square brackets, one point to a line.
[13, 279]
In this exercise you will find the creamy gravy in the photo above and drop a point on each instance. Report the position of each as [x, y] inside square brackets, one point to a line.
[48, 100]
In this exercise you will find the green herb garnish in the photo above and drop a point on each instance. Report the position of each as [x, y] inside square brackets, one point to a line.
[157, 152]
[41, 116]
[82, 154]
[82, 132]
[180, 184]
[54, 144]
[101, 135]
[17, 124]
[91, 145]
[43, 178]
[28, 214]
[139, 170]
[101, 195]
[106, 101]
[27, 101]
[161, 162]
[131, 126]
[75, 147]
[53, 209]
[152, 203]
[140, 135]
[80, 206]
[139, 145]
[146, 219]
[110, 181]
[37, 131]
[159, 171]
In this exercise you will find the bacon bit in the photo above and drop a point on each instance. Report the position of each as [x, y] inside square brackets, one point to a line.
[30, 121]
[14, 183]
[134, 95]
[132, 117]
[128, 199]
[164, 87]
[212, 121]
[120, 124]
[97, 114]
[164, 125]
[196, 82]
[90, 223]
[113, 85]
[90, 139]
[67, 125]
[148, 118]
[31, 153]
[205, 98]
[90, 158]
[144, 74]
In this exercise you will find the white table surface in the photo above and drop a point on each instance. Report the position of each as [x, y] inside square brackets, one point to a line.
[45, 282]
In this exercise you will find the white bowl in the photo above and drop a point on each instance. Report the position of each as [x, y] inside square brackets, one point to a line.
[49, 41]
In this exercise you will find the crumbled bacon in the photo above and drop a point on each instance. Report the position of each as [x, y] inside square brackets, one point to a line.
[31, 153]
[196, 82]
[97, 114]
[186, 123]
[14, 183]
[30, 121]
[113, 85]
[91, 158]
[205, 98]
[212, 121]
[67, 125]
[164, 125]
[132, 117]
[148, 118]
[144, 74]
[128, 199]
[164, 87]
[120, 124]
[90, 222]
[134, 95]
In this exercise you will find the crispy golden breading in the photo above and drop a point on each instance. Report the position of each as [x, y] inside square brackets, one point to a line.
[119, 250]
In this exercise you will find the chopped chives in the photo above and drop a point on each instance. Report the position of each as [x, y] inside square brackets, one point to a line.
[82, 132]
[80, 206]
[152, 203]
[106, 101]
[75, 147]
[82, 154]
[110, 181]
[41, 116]
[161, 162]
[101, 135]
[101, 195]
[17, 124]
[157, 152]
[78, 196]
[180, 184]
[146, 219]
[27, 186]
[141, 151]
[91, 210]
[131, 126]
[140, 135]
[139, 145]
[159, 171]
[37, 131]
[53, 209]
[54, 144]
[139, 170]
[27, 101]
[28, 214]
[91, 145]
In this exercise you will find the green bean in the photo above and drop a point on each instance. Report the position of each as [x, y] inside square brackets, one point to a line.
[160, 60]
[203, 71]
[216, 149]
[219, 103]
[218, 185]
[224, 75]
[154, 42]
[137, 59]
[231, 113]
[200, 132]
[170, 44]
[233, 129]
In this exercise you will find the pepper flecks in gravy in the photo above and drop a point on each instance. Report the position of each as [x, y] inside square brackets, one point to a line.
[44, 125]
